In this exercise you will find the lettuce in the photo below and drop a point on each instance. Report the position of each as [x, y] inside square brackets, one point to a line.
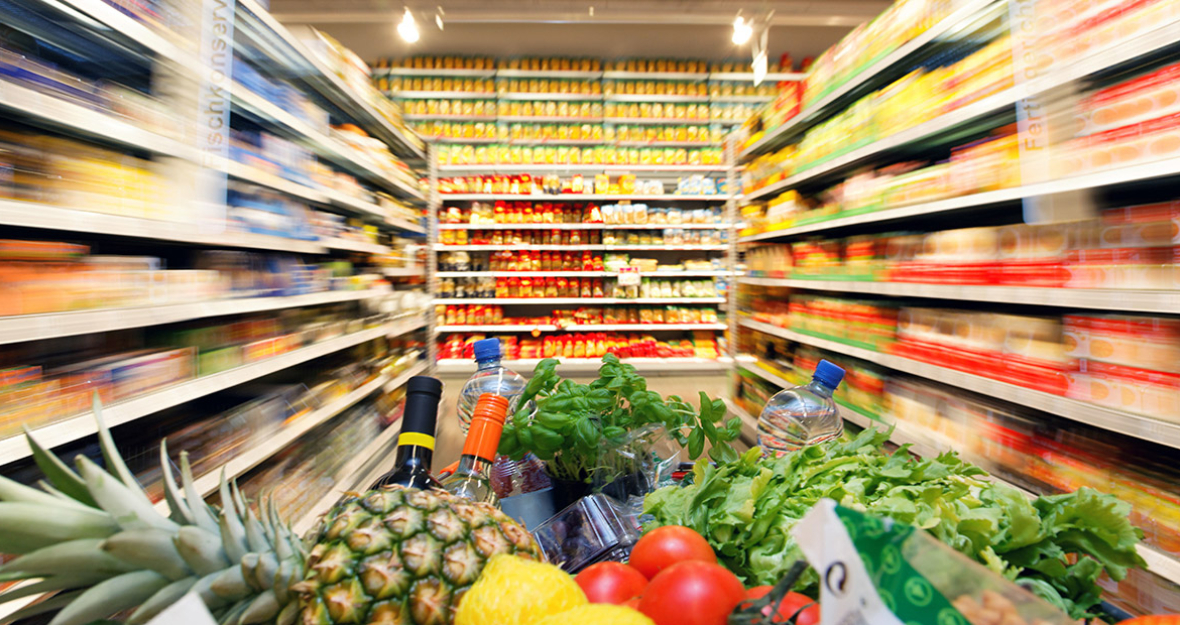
[1057, 546]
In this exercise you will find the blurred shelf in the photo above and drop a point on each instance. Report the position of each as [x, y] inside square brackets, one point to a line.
[294, 58]
[616, 327]
[49, 217]
[403, 272]
[583, 167]
[568, 366]
[548, 73]
[753, 99]
[16, 447]
[683, 76]
[443, 95]
[582, 274]
[580, 300]
[18, 329]
[452, 118]
[261, 177]
[355, 246]
[120, 22]
[653, 98]
[323, 144]
[414, 71]
[1119, 175]
[549, 97]
[53, 111]
[282, 437]
[578, 248]
[809, 116]
[574, 226]
[665, 144]
[405, 224]
[652, 121]
[749, 76]
[1146, 428]
[579, 197]
[1131, 300]
[346, 478]
[545, 119]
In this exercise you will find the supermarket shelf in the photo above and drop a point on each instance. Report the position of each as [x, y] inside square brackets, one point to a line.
[403, 272]
[682, 76]
[355, 246]
[811, 114]
[451, 118]
[268, 35]
[590, 247]
[749, 76]
[548, 73]
[549, 97]
[754, 99]
[283, 437]
[578, 274]
[264, 178]
[654, 121]
[583, 167]
[346, 478]
[580, 300]
[324, 145]
[56, 112]
[901, 138]
[1145, 428]
[442, 95]
[546, 119]
[405, 224]
[573, 226]
[749, 422]
[18, 329]
[404, 325]
[580, 197]
[50, 217]
[1167, 302]
[613, 327]
[417, 369]
[414, 71]
[568, 366]
[136, 31]
[1120, 175]
[664, 144]
[653, 98]
[16, 448]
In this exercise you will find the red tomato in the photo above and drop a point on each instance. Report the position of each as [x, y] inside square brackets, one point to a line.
[610, 582]
[1159, 619]
[632, 603]
[791, 604]
[665, 546]
[692, 593]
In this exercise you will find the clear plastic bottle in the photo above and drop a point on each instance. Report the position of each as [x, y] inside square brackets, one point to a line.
[490, 377]
[803, 415]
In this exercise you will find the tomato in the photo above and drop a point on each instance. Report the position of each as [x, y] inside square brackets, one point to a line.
[1159, 619]
[665, 546]
[692, 593]
[791, 604]
[610, 582]
[632, 603]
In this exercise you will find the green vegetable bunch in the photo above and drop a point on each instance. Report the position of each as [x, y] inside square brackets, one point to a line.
[1057, 546]
[572, 426]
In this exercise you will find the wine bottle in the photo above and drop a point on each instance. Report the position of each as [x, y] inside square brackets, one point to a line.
[415, 443]
[472, 479]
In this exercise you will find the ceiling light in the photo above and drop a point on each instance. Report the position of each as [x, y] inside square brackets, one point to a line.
[438, 18]
[408, 28]
[742, 30]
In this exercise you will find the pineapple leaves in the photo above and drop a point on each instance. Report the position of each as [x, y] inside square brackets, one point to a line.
[202, 514]
[58, 473]
[111, 456]
[149, 549]
[180, 512]
[114, 595]
[160, 601]
[28, 528]
[76, 555]
[128, 505]
[13, 491]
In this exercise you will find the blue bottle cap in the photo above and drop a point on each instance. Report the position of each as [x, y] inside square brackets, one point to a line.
[827, 373]
[489, 349]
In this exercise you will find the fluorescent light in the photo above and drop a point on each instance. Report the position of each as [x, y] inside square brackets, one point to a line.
[742, 30]
[408, 28]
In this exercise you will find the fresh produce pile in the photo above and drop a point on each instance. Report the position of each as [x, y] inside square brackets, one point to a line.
[572, 426]
[1057, 546]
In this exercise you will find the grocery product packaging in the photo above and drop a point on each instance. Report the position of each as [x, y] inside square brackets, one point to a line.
[873, 570]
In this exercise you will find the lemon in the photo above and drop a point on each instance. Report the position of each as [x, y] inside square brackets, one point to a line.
[517, 591]
[597, 614]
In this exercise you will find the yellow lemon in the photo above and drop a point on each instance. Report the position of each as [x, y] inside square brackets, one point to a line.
[597, 614]
[517, 591]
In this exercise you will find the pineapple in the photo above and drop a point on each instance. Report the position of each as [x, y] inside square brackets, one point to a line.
[93, 537]
[401, 555]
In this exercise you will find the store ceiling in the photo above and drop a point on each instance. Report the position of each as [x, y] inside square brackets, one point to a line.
[614, 28]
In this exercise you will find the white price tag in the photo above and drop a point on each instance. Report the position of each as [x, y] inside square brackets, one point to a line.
[629, 279]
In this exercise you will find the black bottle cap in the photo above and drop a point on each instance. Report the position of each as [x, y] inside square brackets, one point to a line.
[425, 384]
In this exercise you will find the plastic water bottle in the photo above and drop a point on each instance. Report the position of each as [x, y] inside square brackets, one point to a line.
[803, 415]
[490, 377]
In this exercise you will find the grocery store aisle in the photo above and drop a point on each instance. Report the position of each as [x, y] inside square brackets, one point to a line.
[450, 438]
